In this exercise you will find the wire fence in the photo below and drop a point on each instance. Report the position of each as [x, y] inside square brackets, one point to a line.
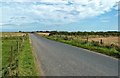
[12, 69]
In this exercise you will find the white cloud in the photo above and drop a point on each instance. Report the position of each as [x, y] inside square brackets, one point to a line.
[56, 11]
[78, 9]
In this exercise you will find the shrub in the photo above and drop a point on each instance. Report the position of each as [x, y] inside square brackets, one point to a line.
[95, 43]
[117, 48]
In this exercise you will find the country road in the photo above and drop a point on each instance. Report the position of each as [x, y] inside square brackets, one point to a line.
[59, 59]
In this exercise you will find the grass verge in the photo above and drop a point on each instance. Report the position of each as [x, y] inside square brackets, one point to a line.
[27, 62]
[107, 50]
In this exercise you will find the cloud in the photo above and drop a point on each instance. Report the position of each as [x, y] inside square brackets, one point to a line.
[105, 21]
[55, 11]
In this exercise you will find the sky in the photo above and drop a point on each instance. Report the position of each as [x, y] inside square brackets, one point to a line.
[59, 15]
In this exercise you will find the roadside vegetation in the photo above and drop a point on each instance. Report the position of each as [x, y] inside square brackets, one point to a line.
[17, 57]
[102, 42]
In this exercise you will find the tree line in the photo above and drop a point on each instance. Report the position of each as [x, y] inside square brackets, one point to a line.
[109, 33]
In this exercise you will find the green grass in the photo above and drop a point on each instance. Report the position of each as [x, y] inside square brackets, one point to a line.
[6, 47]
[0, 57]
[26, 62]
[7, 43]
[107, 50]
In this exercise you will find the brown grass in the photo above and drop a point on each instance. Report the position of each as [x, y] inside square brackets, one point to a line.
[12, 34]
[106, 40]
[43, 34]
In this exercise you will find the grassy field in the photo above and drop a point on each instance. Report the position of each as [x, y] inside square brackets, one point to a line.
[17, 57]
[105, 45]
[107, 40]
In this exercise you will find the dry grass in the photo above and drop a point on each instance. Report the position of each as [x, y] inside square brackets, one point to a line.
[9, 34]
[106, 40]
[43, 34]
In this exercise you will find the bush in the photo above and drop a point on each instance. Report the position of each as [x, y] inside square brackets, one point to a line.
[109, 47]
[117, 48]
[95, 43]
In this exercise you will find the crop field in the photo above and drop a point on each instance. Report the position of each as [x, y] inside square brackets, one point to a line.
[106, 44]
[17, 57]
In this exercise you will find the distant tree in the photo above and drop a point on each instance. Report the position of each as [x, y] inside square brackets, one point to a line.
[20, 31]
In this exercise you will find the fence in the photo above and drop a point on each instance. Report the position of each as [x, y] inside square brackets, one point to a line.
[12, 69]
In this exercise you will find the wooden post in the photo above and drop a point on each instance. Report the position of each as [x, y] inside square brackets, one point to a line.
[17, 58]
[17, 46]
[11, 60]
[17, 68]
[87, 39]
[101, 41]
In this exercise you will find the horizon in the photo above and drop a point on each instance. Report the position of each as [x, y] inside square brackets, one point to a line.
[44, 31]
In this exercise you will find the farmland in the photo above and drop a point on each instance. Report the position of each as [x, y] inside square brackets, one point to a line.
[17, 57]
[102, 42]
[107, 40]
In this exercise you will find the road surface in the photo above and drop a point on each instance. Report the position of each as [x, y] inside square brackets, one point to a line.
[59, 59]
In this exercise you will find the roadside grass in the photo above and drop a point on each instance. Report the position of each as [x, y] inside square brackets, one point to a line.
[27, 62]
[107, 50]
[17, 62]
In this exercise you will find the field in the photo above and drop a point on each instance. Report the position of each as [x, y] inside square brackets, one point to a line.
[107, 40]
[17, 57]
[44, 34]
[12, 34]
[106, 44]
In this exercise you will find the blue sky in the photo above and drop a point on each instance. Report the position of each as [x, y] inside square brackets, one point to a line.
[60, 15]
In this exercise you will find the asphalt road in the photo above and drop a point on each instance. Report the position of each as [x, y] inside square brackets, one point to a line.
[58, 59]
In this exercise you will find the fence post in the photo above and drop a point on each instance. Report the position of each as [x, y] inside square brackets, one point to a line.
[11, 60]
[16, 67]
[17, 58]
[101, 41]
[17, 46]
[87, 39]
